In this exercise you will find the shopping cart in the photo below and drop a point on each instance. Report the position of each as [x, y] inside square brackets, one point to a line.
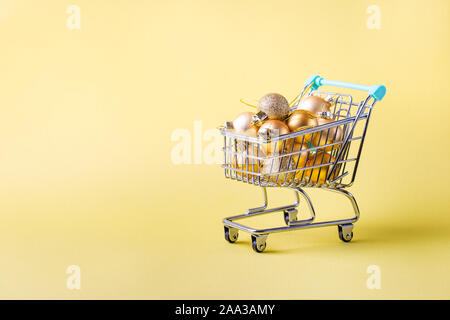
[328, 164]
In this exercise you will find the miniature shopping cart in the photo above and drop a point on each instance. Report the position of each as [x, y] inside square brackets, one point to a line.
[329, 166]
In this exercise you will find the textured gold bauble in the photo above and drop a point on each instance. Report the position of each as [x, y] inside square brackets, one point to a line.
[274, 105]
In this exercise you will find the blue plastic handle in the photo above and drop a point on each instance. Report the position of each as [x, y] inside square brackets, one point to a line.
[376, 91]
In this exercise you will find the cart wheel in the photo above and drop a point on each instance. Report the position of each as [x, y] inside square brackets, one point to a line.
[231, 234]
[259, 243]
[346, 232]
[290, 215]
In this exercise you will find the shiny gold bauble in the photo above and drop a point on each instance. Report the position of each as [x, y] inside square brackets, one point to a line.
[276, 127]
[252, 131]
[324, 137]
[273, 128]
[336, 133]
[300, 158]
[301, 118]
[242, 161]
[274, 105]
[304, 138]
[275, 170]
[314, 104]
[243, 124]
[252, 148]
[319, 175]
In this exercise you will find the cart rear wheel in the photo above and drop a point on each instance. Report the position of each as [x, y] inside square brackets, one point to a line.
[290, 215]
[231, 234]
[346, 232]
[259, 243]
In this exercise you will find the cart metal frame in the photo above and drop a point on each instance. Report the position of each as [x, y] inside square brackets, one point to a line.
[341, 175]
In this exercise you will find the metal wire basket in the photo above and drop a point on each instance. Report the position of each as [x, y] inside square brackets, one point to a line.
[313, 157]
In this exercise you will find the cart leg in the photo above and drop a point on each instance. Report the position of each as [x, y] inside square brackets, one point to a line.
[310, 208]
[264, 206]
[262, 209]
[345, 230]
[350, 197]
[290, 213]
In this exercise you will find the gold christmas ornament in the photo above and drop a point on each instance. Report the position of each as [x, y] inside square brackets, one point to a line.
[301, 157]
[275, 170]
[244, 161]
[271, 129]
[319, 175]
[243, 124]
[274, 105]
[305, 138]
[324, 137]
[301, 118]
[252, 131]
[314, 104]
[336, 133]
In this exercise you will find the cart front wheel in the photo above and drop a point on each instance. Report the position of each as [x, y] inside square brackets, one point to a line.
[259, 243]
[231, 234]
[346, 232]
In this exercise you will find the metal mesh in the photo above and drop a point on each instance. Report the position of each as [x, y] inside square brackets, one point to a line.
[306, 158]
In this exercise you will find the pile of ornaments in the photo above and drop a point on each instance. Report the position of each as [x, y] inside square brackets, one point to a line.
[274, 119]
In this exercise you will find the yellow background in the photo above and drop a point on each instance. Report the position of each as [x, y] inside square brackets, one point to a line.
[86, 176]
